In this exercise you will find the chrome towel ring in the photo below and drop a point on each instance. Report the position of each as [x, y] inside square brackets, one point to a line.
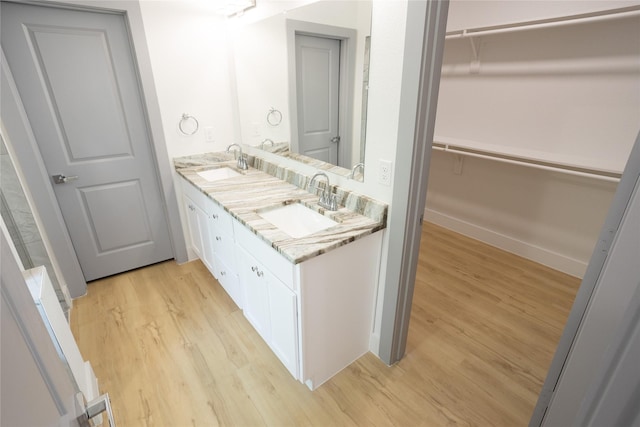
[274, 117]
[184, 120]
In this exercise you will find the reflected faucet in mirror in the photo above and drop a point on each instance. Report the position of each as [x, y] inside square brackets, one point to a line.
[242, 160]
[264, 141]
[355, 168]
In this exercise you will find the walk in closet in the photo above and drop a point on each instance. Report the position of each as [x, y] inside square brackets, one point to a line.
[537, 113]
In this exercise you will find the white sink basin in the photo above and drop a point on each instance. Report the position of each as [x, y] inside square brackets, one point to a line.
[218, 174]
[296, 219]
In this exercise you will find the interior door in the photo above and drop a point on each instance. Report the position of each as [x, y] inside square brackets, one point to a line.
[317, 92]
[77, 79]
[37, 389]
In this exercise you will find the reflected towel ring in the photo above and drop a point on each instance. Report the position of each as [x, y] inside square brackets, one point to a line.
[274, 117]
[185, 118]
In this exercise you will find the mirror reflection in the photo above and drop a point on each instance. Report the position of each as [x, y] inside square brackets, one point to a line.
[302, 79]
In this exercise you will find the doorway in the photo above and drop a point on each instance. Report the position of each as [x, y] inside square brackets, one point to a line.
[512, 176]
[87, 114]
[318, 94]
[329, 129]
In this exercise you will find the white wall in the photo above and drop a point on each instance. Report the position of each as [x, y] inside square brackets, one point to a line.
[570, 94]
[188, 51]
[262, 65]
[551, 218]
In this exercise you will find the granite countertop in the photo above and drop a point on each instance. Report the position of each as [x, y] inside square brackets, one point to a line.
[254, 190]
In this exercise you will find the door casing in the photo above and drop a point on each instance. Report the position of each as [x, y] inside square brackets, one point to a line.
[347, 39]
[35, 176]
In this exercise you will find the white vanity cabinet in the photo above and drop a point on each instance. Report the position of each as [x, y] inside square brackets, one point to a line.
[316, 315]
[211, 232]
[270, 304]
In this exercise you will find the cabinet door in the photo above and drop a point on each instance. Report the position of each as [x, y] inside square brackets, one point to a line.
[284, 323]
[256, 294]
[229, 281]
[194, 228]
[271, 307]
[199, 231]
[206, 247]
[224, 247]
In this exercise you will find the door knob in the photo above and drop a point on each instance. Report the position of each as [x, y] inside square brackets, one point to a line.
[335, 139]
[61, 179]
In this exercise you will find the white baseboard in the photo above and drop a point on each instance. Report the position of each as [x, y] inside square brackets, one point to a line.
[535, 253]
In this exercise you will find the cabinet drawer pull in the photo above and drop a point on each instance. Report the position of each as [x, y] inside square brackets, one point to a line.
[218, 238]
[256, 270]
[223, 273]
[214, 216]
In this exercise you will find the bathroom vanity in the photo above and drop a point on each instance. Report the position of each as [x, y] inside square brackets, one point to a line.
[304, 277]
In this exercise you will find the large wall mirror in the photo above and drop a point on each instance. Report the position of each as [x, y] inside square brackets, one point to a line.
[302, 81]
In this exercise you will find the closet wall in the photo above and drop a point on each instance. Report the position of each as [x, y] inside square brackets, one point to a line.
[565, 94]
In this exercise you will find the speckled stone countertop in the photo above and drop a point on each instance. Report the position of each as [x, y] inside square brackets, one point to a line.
[265, 185]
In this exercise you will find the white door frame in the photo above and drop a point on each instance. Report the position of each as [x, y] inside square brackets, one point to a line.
[19, 136]
[347, 37]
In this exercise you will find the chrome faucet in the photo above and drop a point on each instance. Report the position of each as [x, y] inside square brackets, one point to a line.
[265, 141]
[355, 168]
[242, 160]
[328, 200]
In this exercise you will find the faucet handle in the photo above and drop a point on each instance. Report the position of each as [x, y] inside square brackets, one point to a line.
[328, 200]
[242, 162]
[333, 202]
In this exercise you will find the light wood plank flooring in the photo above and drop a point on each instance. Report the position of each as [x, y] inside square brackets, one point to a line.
[172, 349]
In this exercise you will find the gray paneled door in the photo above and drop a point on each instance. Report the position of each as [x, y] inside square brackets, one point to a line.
[78, 83]
[318, 91]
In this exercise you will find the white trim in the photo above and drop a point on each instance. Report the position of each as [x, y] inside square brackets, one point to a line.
[510, 244]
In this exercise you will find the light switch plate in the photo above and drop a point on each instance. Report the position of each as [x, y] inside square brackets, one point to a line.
[208, 134]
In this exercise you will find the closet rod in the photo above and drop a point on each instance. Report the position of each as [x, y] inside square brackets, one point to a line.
[511, 161]
[540, 25]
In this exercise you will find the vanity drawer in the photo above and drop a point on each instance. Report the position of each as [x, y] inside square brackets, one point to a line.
[278, 265]
[221, 219]
[189, 190]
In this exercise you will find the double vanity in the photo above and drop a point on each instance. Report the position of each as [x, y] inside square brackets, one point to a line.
[304, 276]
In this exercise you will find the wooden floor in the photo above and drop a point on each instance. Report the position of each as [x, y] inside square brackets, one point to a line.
[173, 350]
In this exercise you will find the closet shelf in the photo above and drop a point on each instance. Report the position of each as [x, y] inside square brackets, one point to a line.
[527, 158]
[605, 15]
